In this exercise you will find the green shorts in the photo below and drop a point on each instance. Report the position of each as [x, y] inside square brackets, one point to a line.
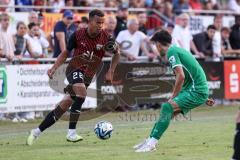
[188, 100]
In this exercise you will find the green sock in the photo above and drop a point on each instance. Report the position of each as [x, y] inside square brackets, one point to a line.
[163, 122]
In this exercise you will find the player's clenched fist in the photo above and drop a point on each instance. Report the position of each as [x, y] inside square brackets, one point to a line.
[51, 72]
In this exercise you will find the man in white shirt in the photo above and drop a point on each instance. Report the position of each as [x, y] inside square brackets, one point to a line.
[131, 40]
[7, 47]
[234, 5]
[182, 35]
[37, 42]
[217, 43]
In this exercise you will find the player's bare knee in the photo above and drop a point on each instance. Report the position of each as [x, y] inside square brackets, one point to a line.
[80, 90]
[66, 103]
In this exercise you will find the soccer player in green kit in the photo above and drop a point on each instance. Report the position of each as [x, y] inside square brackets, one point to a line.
[190, 90]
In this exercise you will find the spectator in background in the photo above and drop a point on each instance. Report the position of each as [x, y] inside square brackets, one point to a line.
[122, 15]
[137, 3]
[34, 17]
[7, 47]
[23, 3]
[57, 4]
[10, 3]
[179, 5]
[183, 36]
[217, 36]
[168, 11]
[62, 31]
[68, 3]
[235, 34]
[110, 25]
[204, 41]
[131, 40]
[22, 45]
[39, 3]
[80, 22]
[195, 4]
[226, 47]
[142, 19]
[37, 42]
[234, 5]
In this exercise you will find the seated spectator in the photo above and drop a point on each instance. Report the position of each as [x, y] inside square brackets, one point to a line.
[39, 3]
[131, 40]
[234, 5]
[179, 5]
[10, 3]
[142, 19]
[168, 11]
[21, 43]
[23, 3]
[57, 4]
[195, 4]
[68, 3]
[226, 47]
[235, 34]
[7, 47]
[37, 42]
[203, 41]
[137, 3]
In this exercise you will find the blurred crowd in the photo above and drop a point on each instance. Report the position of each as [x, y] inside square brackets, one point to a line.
[176, 5]
[132, 33]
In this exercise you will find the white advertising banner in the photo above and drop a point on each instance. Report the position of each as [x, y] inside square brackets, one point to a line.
[26, 88]
[200, 23]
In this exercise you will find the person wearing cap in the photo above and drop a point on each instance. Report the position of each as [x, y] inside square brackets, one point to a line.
[62, 31]
[122, 16]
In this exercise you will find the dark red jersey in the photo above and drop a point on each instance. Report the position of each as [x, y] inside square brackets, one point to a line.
[87, 51]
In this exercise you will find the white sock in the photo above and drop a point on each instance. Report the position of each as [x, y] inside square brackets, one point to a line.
[152, 141]
[71, 132]
[37, 132]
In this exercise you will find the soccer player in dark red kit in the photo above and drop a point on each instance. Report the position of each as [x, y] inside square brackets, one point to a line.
[88, 46]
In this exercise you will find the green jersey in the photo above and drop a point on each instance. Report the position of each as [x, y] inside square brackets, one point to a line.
[195, 78]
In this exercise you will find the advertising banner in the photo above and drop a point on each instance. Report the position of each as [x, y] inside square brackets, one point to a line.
[26, 88]
[232, 79]
[215, 77]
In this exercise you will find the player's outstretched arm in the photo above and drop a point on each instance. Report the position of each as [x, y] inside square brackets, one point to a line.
[60, 60]
[179, 81]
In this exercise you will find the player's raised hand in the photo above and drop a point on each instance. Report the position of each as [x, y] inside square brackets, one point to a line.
[109, 76]
[51, 72]
[210, 102]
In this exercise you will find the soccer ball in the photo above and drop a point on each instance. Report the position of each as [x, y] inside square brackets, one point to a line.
[103, 130]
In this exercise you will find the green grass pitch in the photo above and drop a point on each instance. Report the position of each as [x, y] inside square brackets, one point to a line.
[208, 136]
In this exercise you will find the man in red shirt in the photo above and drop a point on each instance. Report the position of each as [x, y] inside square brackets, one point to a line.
[89, 45]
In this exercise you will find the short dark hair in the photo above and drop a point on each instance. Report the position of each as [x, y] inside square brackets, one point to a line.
[211, 27]
[95, 12]
[162, 37]
[31, 25]
[225, 29]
